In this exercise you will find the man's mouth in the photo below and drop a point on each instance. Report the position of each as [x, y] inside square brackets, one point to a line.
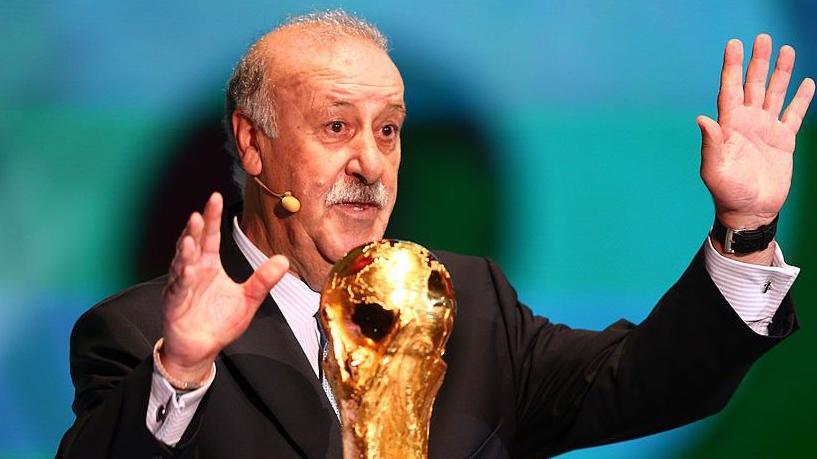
[358, 205]
[358, 210]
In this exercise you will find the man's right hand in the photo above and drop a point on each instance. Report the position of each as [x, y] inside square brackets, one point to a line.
[205, 310]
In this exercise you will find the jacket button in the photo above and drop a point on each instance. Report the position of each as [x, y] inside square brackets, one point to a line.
[161, 414]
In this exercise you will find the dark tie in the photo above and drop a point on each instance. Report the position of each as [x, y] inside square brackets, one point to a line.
[322, 350]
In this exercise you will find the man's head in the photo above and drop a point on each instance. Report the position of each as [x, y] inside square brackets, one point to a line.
[315, 107]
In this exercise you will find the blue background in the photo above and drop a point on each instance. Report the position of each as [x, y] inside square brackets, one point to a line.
[568, 144]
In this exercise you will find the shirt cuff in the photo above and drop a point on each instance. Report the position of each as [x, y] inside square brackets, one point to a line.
[754, 291]
[169, 412]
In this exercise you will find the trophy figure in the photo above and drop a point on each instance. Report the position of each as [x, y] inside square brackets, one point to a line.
[388, 308]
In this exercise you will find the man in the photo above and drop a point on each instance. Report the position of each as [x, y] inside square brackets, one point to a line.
[220, 358]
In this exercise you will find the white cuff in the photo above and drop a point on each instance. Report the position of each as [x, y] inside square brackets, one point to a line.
[754, 291]
[169, 414]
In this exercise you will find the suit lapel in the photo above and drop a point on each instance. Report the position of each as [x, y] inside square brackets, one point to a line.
[270, 363]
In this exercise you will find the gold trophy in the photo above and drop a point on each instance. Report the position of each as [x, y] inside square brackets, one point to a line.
[388, 308]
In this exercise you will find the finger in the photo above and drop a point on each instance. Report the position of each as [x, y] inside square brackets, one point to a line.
[211, 237]
[257, 287]
[188, 248]
[793, 116]
[177, 267]
[193, 225]
[731, 91]
[187, 256]
[711, 133]
[779, 83]
[755, 87]
[196, 228]
[176, 291]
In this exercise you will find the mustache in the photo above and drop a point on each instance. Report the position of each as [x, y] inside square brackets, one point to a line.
[357, 192]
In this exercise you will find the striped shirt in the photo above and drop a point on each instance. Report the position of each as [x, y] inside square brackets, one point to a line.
[754, 292]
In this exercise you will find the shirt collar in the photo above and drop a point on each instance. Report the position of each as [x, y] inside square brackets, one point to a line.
[295, 299]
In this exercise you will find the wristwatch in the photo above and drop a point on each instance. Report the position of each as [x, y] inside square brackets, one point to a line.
[743, 241]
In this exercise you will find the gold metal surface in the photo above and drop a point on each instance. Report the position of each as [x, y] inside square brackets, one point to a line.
[388, 308]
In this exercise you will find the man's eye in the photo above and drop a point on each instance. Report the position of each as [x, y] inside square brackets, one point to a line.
[388, 130]
[336, 126]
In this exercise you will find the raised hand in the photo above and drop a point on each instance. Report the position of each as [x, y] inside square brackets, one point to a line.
[205, 310]
[746, 156]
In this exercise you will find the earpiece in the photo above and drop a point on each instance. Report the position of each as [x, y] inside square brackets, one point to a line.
[288, 202]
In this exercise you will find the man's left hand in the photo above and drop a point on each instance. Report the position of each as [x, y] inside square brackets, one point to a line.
[746, 156]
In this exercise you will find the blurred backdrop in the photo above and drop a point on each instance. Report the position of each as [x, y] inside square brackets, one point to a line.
[555, 137]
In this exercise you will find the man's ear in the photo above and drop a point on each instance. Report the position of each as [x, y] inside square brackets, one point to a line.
[247, 146]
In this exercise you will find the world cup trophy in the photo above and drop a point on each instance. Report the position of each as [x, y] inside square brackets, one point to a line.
[388, 308]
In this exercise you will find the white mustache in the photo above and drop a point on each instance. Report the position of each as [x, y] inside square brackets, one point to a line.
[356, 192]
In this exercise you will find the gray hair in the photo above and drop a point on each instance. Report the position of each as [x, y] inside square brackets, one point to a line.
[249, 91]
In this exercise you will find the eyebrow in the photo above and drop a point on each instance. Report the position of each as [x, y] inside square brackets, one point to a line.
[345, 104]
[398, 108]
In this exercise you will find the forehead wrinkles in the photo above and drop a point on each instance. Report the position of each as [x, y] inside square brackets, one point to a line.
[357, 75]
[320, 90]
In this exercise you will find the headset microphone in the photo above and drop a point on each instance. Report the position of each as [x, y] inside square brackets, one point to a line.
[288, 202]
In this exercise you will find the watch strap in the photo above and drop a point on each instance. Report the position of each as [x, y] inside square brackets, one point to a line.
[743, 241]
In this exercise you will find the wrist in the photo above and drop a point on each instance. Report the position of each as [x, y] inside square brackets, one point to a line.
[740, 220]
[181, 375]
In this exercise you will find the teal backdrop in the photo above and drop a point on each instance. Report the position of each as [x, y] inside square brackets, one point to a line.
[558, 138]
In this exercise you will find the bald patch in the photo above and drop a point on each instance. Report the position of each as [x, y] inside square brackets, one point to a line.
[292, 55]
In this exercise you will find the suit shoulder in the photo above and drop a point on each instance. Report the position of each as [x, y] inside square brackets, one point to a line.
[135, 296]
[138, 306]
[462, 264]
[472, 274]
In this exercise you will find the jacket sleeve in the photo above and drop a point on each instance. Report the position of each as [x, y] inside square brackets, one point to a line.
[111, 367]
[578, 388]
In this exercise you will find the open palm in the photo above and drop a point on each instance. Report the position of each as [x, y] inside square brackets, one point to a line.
[746, 156]
[205, 310]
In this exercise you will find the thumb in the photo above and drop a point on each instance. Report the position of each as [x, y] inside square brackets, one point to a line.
[711, 134]
[257, 287]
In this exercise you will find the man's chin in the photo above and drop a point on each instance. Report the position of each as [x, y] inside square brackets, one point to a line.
[341, 245]
[345, 228]
[353, 245]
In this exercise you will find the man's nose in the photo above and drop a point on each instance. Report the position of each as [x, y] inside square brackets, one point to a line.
[368, 160]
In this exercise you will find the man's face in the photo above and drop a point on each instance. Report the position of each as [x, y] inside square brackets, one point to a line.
[340, 109]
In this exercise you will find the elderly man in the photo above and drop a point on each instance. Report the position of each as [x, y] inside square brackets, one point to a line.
[221, 357]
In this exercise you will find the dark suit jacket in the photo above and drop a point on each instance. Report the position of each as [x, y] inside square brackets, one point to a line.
[517, 385]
